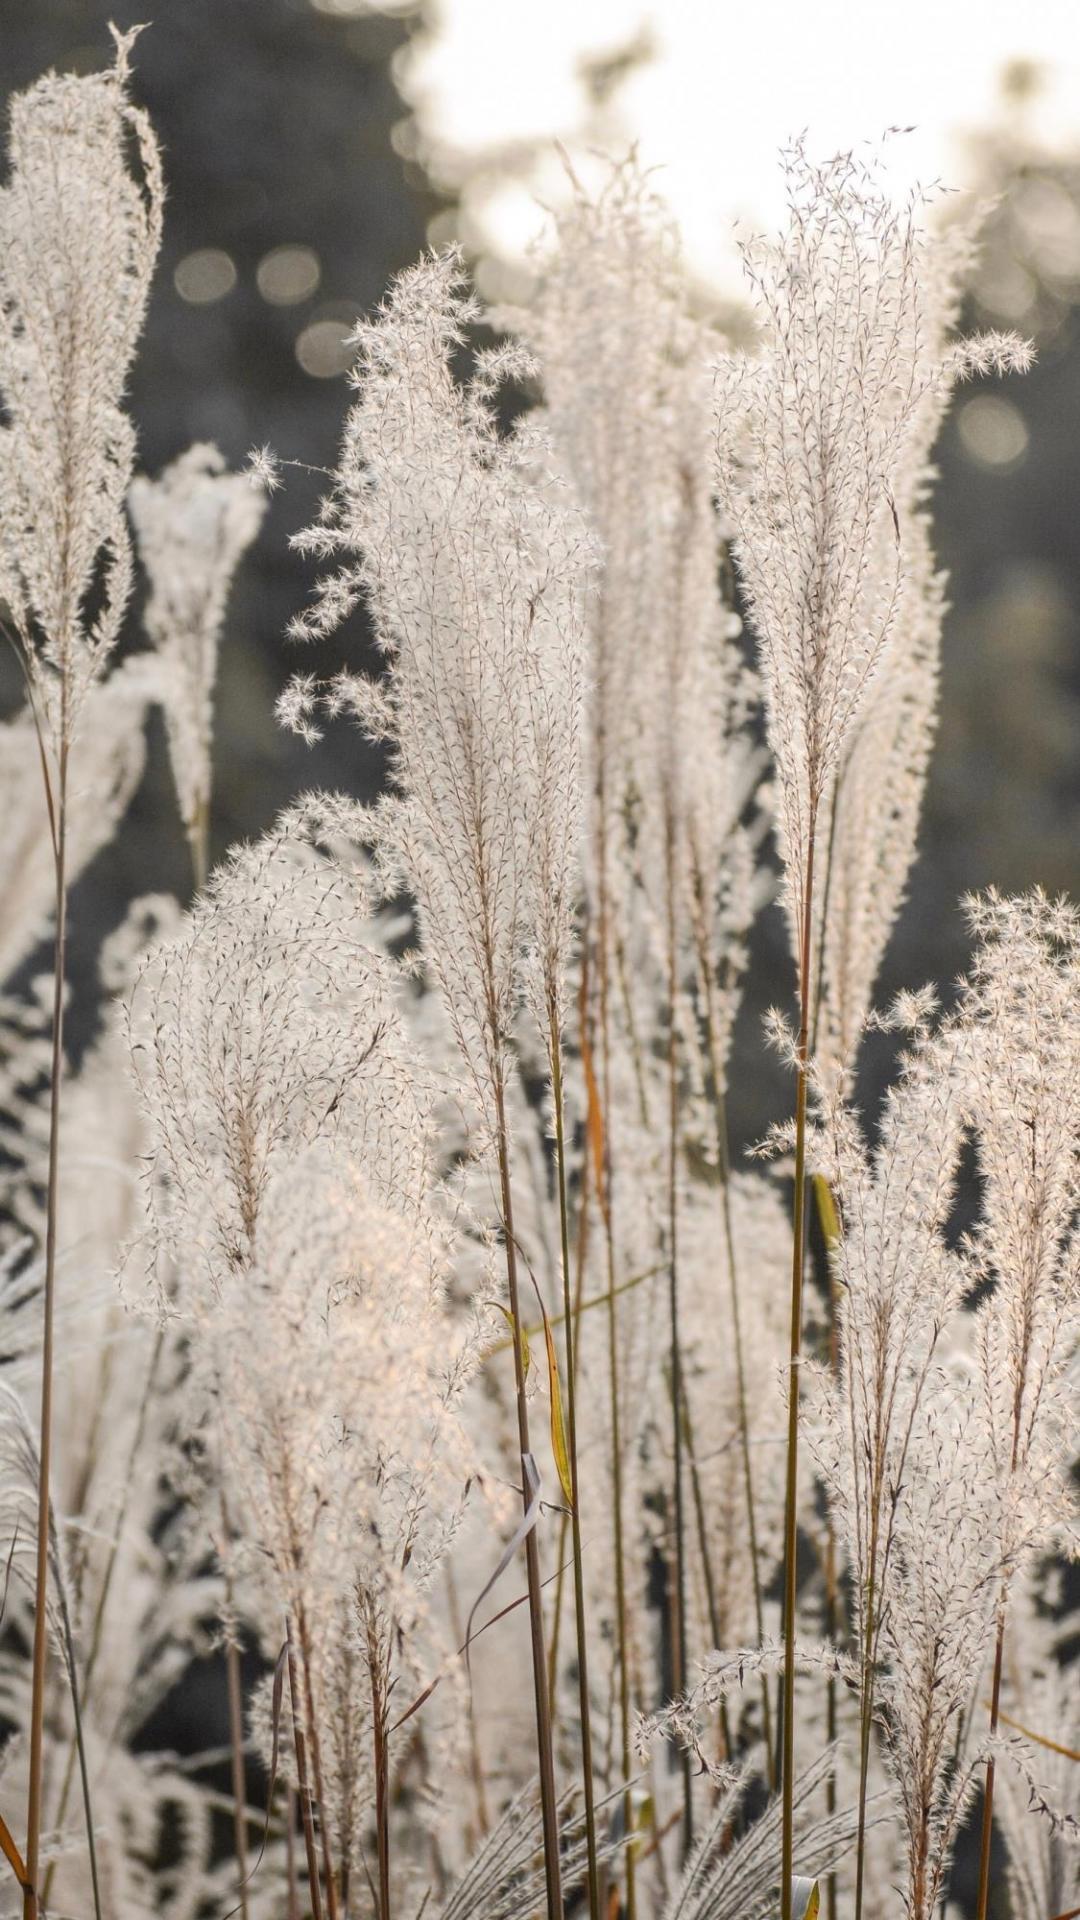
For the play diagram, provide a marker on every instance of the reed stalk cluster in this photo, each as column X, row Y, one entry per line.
column 390, row 1317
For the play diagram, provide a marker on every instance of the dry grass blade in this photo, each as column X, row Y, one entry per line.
column 503, row 1879
column 741, row 1881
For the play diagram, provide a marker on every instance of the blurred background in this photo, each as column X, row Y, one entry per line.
column 312, row 147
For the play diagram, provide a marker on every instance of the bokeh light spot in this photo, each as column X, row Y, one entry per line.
column 203, row 276
column 322, row 349
column 287, row 275
column 992, row 430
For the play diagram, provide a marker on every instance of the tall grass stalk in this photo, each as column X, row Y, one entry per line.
column 606, row 1210
column 986, row 1835
column 57, row 802
column 832, row 1610
column 235, row 1690
column 701, row 1526
column 679, row 1623
column 723, row 1165
column 548, row 1799
column 380, row 1737
column 791, row 1490
column 292, row 1890
column 315, row 1750
column 199, row 843
column 570, row 1330
column 98, row 1625
column 303, row 1785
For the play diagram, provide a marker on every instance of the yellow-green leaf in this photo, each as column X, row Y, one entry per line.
column 827, row 1213
column 559, row 1445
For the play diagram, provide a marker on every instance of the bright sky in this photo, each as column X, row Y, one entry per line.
column 729, row 84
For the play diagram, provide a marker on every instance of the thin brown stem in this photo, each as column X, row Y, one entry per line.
column 381, row 1755
column 987, row 1835
column 476, row 1759
column 832, row 1611
column 97, row 1628
column 292, row 1891
column 787, row 1771
column 608, row 1218
column 303, row 1784
column 41, row 1591
column 986, row 1840
column 679, row 1635
column 548, row 1802
column 723, row 1163
column 744, row 1428
column 570, row 1330
column 236, row 1720
column 315, row 1746
column 719, row 1638
column 866, row 1705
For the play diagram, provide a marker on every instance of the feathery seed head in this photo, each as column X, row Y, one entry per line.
column 78, row 238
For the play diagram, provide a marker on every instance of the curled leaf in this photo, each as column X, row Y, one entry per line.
column 805, row 1894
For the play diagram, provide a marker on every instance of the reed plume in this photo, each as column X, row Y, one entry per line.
column 79, row 235
column 812, row 438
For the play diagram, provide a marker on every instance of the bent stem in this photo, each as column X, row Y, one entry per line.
column 787, row 1771
column 571, row 1338
column 58, row 823
column 548, row 1805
